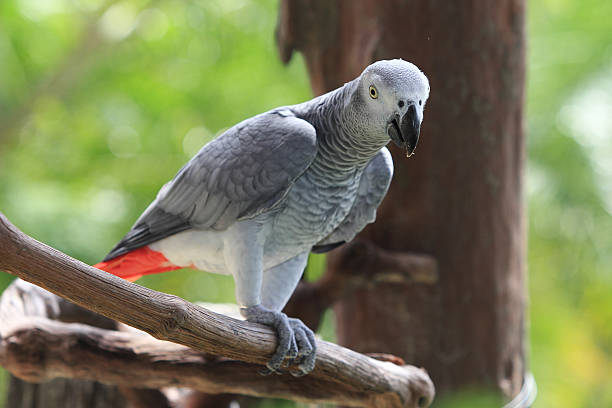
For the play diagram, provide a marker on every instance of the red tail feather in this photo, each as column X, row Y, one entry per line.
column 136, row 263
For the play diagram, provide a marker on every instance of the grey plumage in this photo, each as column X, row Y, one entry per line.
column 242, row 173
column 373, row 186
column 255, row 201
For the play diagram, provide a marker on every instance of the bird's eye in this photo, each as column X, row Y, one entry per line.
column 400, row 104
column 420, row 102
column 373, row 92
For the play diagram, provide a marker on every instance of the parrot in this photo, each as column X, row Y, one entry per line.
column 258, row 199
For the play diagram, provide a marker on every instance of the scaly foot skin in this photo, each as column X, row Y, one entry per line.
column 296, row 341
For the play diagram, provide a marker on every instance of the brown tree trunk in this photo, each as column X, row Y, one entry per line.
column 63, row 393
column 459, row 199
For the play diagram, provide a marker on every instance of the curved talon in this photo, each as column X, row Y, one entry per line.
column 308, row 362
column 265, row 371
column 298, row 373
column 302, row 341
column 293, row 352
column 307, row 346
column 296, row 342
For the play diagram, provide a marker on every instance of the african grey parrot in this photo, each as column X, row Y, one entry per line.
column 255, row 201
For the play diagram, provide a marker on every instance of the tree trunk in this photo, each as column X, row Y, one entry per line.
column 62, row 393
column 459, row 199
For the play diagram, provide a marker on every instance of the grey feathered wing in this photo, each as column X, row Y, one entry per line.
column 373, row 187
column 242, row 173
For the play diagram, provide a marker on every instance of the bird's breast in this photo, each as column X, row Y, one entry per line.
column 311, row 210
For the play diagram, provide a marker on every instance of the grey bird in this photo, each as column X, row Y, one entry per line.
column 255, row 201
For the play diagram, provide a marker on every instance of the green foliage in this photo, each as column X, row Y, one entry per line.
column 3, row 386
column 469, row 399
column 98, row 112
column 315, row 267
column 570, row 202
column 101, row 102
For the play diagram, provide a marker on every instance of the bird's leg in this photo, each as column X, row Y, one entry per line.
column 243, row 254
column 287, row 346
column 279, row 283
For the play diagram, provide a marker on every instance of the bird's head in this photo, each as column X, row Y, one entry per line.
column 393, row 95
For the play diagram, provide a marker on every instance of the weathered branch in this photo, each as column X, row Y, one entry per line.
column 37, row 350
column 341, row 375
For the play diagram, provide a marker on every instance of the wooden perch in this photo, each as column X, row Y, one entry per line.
column 40, row 349
column 341, row 376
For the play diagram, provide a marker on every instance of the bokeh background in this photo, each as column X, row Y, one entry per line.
column 101, row 102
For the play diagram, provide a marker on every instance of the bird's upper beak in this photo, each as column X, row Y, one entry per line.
column 404, row 131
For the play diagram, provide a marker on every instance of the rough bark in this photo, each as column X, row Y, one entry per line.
column 340, row 376
column 459, row 199
column 62, row 393
column 23, row 300
column 130, row 358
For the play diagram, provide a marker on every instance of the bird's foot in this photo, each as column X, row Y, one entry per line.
column 296, row 342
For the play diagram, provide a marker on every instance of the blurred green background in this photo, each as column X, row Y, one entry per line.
column 101, row 102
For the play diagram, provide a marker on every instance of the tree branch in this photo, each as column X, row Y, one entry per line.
column 37, row 350
column 341, row 375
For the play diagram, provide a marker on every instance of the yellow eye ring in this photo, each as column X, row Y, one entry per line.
column 373, row 92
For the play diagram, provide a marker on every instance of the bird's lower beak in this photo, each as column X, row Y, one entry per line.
column 405, row 131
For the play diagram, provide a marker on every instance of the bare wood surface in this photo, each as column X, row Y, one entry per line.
column 40, row 349
column 341, row 375
column 23, row 300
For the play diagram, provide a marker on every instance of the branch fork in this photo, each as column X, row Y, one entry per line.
column 341, row 376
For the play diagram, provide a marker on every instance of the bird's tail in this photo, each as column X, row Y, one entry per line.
column 136, row 263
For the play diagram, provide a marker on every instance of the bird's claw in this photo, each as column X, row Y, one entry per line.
column 296, row 342
column 267, row 371
column 306, row 343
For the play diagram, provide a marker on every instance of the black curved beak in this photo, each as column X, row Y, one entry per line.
column 405, row 131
